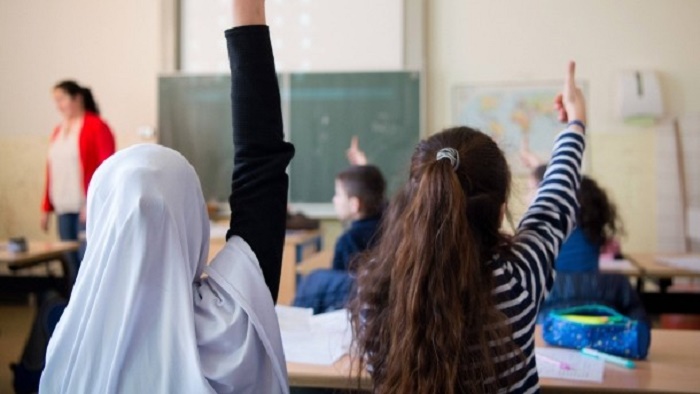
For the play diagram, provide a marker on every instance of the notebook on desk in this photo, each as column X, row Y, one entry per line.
column 579, row 366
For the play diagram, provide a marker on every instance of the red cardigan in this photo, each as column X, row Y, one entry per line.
column 95, row 144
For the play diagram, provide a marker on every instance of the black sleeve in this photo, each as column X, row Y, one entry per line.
column 260, row 183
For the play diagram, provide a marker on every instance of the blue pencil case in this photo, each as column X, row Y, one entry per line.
column 598, row 327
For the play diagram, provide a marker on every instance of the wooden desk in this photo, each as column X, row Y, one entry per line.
column 623, row 267
column 298, row 245
column 37, row 253
column 649, row 263
column 320, row 260
column 663, row 275
column 17, row 275
column 673, row 366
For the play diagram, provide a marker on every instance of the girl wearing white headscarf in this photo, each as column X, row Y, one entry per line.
column 140, row 318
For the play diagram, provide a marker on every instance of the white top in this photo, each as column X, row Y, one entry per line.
column 65, row 171
column 140, row 319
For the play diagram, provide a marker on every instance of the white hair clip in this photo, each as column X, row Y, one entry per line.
column 449, row 153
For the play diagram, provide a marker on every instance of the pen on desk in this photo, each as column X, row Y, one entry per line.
column 608, row 357
column 561, row 365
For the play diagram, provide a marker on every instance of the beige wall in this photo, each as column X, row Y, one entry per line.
column 496, row 41
column 468, row 41
column 111, row 46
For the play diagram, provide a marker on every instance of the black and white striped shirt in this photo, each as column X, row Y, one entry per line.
column 523, row 281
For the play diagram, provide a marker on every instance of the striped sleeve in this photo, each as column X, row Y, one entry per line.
column 551, row 217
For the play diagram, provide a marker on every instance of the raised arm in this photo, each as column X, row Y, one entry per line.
column 356, row 156
column 260, row 183
column 550, row 219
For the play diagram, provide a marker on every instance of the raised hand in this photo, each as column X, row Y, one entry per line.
column 356, row 156
column 570, row 103
column 248, row 12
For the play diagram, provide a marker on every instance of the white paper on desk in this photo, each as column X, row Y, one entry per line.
column 306, row 348
column 686, row 263
column 584, row 368
column 294, row 319
column 320, row 339
column 331, row 322
column 611, row 264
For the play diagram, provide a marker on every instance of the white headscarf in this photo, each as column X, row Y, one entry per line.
column 139, row 319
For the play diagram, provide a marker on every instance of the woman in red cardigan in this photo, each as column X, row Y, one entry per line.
column 79, row 144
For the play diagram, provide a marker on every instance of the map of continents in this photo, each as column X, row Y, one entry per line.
column 516, row 117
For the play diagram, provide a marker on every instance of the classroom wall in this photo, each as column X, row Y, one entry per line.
column 306, row 35
column 467, row 41
column 498, row 41
column 112, row 46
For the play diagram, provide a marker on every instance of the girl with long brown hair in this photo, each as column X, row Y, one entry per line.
column 446, row 302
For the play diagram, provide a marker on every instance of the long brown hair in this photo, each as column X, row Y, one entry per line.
column 424, row 318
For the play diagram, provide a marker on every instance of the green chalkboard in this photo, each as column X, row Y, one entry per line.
column 326, row 110
column 321, row 113
column 194, row 118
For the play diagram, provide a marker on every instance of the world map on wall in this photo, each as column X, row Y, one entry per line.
column 515, row 116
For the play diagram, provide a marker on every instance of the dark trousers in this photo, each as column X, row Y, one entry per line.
column 70, row 228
